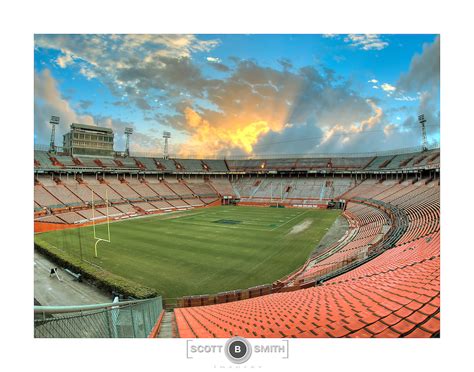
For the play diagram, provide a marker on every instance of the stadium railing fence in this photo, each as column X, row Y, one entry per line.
column 129, row 319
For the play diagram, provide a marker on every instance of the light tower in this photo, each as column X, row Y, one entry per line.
column 128, row 132
column 422, row 121
column 166, row 136
column 54, row 122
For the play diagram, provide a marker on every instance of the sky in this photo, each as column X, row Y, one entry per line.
column 241, row 95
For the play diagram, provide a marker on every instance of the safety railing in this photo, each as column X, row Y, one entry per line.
column 128, row 319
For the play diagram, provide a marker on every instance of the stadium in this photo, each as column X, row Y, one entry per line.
column 315, row 246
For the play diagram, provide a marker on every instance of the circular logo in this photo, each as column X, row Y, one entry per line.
column 238, row 350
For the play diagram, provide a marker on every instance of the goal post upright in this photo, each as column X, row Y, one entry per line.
column 97, row 240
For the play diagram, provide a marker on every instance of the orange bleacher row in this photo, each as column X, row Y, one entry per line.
column 395, row 294
column 69, row 200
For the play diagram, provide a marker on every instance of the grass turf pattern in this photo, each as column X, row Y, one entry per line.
column 188, row 253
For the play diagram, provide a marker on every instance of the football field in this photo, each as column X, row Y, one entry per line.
column 201, row 251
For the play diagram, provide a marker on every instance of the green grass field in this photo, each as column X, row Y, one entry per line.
column 202, row 251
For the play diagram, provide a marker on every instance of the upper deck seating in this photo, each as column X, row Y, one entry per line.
column 65, row 160
column 191, row 165
column 215, row 165
column 280, row 164
column 107, row 162
column 379, row 162
column 128, row 162
column 148, row 163
column 243, row 165
column 350, row 163
column 87, row 162
column 167, row 164
column 309, row 164
column 42, row 158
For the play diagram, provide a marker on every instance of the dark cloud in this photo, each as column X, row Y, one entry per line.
column 84, row 104
column 424, row 72
column 423, row 77
column 285, row 63
column 299, row 139
column 219, row 66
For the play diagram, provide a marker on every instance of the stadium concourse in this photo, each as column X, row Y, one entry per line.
column 381, row 279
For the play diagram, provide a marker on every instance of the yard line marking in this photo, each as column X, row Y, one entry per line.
column 301, row 214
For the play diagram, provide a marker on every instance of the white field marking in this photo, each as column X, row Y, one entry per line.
column 225, row 226
column 284, row 223
column 300, row 227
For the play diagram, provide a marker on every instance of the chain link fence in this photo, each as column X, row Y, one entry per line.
column 135, row 320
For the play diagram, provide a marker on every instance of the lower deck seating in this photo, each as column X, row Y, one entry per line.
column 45, row 199
column 304, row 188
column 400, row 301
column 200, row 188
column 126, row 208
column 178, row 203
column 64, row 195
column 179, row 188
column 49, row 219
column 209, row 200
column 147, row 207
column 222, row 186
column 394, row 294
column 162, row 205
column 194, row 202
column 71, row 217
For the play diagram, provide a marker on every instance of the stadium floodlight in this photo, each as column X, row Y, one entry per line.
column 166, row 136
column 422, row 121
column 128, row 132
column 54, row 122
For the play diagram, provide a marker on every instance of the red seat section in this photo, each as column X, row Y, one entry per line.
column 394, row 293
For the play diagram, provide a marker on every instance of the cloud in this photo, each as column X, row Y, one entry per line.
column 366, row 41
column 130, row 61
column 388, row 88
column 253, row 109
column 405, row 98
column 64, row 60
column 285, row 63
column 213, row 59
column 85, row 104
column 424, row 71
column 423, row 78
column 220, row 67
column 49, row 101
column 87, row 73
column 256, row 109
